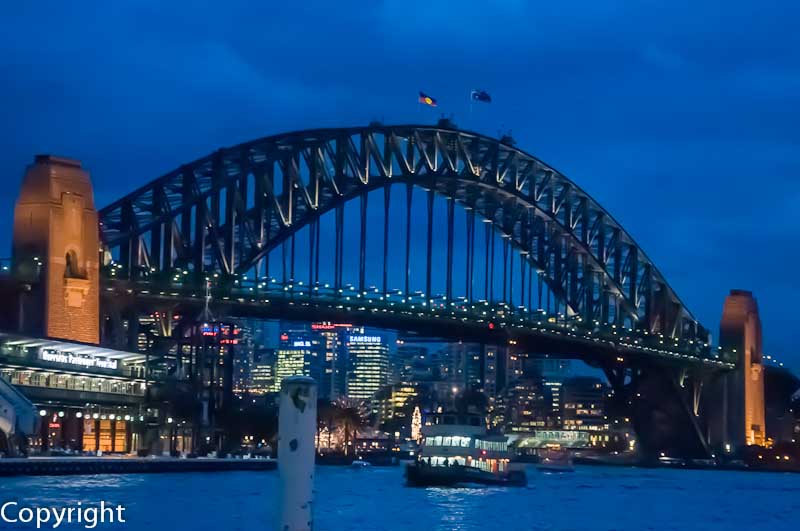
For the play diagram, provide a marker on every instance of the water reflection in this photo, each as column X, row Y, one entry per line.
column 376, row 499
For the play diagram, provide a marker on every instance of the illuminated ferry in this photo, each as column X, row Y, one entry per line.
column 457, row 450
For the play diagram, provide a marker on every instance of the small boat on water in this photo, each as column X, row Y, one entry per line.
column 554, row 458
column 456, row 450
column 359, row 463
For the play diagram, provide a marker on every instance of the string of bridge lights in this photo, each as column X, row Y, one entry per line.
column 418, row 304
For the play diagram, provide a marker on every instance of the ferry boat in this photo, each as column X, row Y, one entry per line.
column 554, row 458
column 456, row 450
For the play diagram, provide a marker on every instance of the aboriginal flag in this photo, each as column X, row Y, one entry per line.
column 426, row 100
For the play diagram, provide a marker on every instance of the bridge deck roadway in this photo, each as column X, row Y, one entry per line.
column 533, row 332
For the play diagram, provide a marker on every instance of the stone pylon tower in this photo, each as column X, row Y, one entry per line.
column 56, row 250
column 740, row 329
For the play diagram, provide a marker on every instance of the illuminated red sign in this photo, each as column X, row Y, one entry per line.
column 329, row 326
column 217, row 329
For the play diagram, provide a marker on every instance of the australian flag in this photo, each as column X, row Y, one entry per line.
column 480, row 95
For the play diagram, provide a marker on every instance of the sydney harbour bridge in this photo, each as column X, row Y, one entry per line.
column 550, row 260
column 430, row 230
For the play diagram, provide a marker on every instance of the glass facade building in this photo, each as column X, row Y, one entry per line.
column 333, row 375
column 301, row 351
column 369, row 365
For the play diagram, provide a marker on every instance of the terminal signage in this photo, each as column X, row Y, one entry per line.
column 67, row 358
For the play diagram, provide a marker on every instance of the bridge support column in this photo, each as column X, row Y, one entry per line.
column 56, row 249
column 736, row 399
column 660, row 411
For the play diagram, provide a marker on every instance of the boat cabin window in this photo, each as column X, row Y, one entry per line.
column 496, row 446
column 447, row 461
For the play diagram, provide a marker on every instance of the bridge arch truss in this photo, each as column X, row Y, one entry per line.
column 221, row 216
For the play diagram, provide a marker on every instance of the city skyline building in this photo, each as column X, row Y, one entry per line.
column 584, row 407
column 244, row 360
column 333, row 375
column 526, row 405
column 466, row 362
column 368, row 365
column 301, row 351
column 490, row 355
column 391, row 401
column 412, row 362
column 262, row 373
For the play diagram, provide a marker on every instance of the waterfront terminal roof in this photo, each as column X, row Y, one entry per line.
column 85, row 349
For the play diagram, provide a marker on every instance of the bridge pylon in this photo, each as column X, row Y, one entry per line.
column 738, row 417
column 56, row 251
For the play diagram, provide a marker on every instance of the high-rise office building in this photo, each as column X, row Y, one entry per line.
column 514, row 360
column 392, row 401
column 584, row 404
column 413, row 363
column 243, row 360
column 144, row 340
column 368, row 365
column 490, row 354
column 546, row 367
column 262, row 372
column 301, row 351
column 333, row 374
column 552, row 372
column 527, row 405
column 466, row 362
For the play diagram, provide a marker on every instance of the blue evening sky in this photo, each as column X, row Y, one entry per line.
column 680, row 117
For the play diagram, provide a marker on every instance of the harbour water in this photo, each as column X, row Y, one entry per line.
column 374, row 499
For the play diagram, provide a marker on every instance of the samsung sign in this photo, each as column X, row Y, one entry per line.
column 67, row 358
column 365, row 339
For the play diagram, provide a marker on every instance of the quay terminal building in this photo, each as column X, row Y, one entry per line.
column 59, row 389
column 87, row 398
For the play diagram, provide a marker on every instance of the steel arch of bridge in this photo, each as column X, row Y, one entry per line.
column 272, row 187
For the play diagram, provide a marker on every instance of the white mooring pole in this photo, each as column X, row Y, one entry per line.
column 297, row 426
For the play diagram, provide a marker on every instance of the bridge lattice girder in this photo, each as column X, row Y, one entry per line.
column 225, row 212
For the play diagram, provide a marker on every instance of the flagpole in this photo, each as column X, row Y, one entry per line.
column 470, row 107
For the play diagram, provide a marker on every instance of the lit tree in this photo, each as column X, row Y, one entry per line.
column 351, row 415
column 416, row 424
